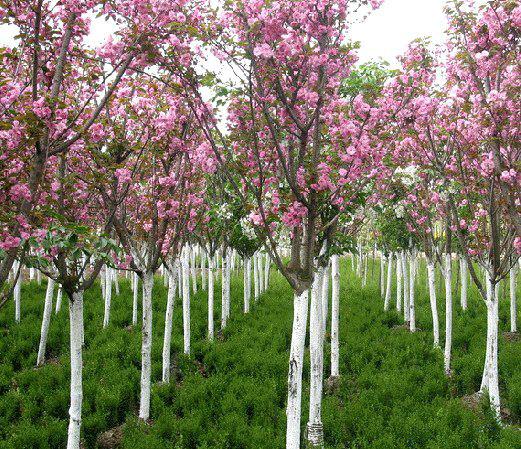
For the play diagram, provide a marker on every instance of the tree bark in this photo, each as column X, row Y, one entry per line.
column 168, row 322
column 405, row 278
column 246, row 273
column 315, row 431
column 47, row 310
column 210, row 298
column 76, row 341
column 135, row 286
column 108, row 296
column 296, row 361
column 398, row 283
column 146, row 346
column 186, row 300
column 464, row 282
column 389, row 282
column 432, row 298
column 412, row 276
column 335, row 311
column 59, row 296
column 513, row 299
column 490, row 380
column 448, row 312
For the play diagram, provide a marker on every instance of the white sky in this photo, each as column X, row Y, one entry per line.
column 387, row 31
column 384, row 34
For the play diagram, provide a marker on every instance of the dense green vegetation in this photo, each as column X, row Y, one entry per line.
column 231, row 394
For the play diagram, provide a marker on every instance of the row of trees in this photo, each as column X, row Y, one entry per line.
column 112, row 157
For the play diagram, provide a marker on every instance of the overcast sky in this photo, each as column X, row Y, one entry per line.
column 387, row 31
column 384, row 34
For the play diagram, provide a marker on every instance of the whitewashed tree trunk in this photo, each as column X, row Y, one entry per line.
column 59, row 297
column 193, row 269
column 108, row 296
column 116, row 280
column 398, row 283
column 490, row 380
column 172, row 284
column 267, row 272
column 17, row 293
column 224, row 288
column 335, row 312
column 39, row 277
column 146, row 346
column 412, row 276
column 315, row 431
column 256, row 277
column 76, row 342
column 186, row 300
column 448, row 312
column 464, row 282
column 259, row 273
column 366, row 261
column 135, row 284
column 325, row 295
column 432, row 298
column 513, row 299
column 210, row 297
column 389, row 282
column 31, row 274
column 47, row 310
column 203, row 271
column 405, row 278
column 246, row 285
column 296, row 362
column 229, row 269
column 103, row 281
column 382, row 275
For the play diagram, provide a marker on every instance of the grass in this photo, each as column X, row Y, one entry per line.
column 231, row 393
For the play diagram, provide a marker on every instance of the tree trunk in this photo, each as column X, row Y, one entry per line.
column 448, row 312
column 259, row 273
column 193, row 270
column 256, row 277
column 108, row 296
column 432, row 298
column 267, row 272
column 47, row 310
column 146, row 346
column 135, row 298
column 398, row 283
column 210, row 297
column 382, row 275
column 203, row 270
column 224, row 288
column 405, row 278
column 490, row 380
column 116, row 280
column 412, row 276
column 335, row 311
column 18, row 291
column 296, row 361
column 315, row 431
column 246, row 286
column 464, row 282
column 186, row 300
column 325, row 295
column 59, row 296
column 389, row 282
column 168, row 322
column 76, row 341
column 513, row 300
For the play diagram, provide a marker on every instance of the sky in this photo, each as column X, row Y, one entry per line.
column 388, row 30
column 384, row 34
